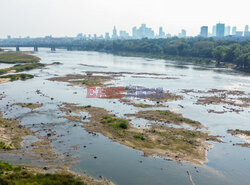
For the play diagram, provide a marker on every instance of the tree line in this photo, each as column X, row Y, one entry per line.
column 209, row 49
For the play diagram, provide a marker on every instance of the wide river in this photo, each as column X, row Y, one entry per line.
column 227, row 163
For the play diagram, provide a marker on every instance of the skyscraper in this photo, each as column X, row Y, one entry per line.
column 220, row 30
column 246, row 28
column 204, row 31
column 227, row 30
column 247, row 32
column 182, row 34
column 114, row 36
column 214, row 31
column 161, row 33
column 107, row 37
column 234, row 30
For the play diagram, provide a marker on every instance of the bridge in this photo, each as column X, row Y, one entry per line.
column 53, row 47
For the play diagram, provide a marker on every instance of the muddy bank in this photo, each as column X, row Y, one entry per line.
column 167, row 117
column 243, row 134
column 140, row 105
column 170, row 143
column 83, row 80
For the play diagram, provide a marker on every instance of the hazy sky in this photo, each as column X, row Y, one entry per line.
column 69, row 17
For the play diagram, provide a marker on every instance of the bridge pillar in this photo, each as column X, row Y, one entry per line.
column 17, row 48
column 35, row 48
column 53, row 48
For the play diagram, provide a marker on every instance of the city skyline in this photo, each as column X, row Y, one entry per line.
column 61, row 18
column 143, row 31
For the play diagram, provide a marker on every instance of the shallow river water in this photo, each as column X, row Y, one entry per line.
column 227, row 163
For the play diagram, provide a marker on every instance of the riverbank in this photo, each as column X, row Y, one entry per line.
column 171, row 143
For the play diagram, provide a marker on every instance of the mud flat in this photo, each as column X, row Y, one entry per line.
column 31, row 106
column 10, row 174
column 171, row 143
column 12, row 57
column 167, row 117
column 11, row 133
column 141, row 105
column 243, row 134
column 83, row 80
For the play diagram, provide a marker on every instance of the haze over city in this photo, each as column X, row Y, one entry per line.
column 61, row 18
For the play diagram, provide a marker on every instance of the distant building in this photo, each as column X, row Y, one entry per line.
column 246, row 28
column 234, row 29
column 8, row 37
column 124, row 35
column 161, row 33
column 220, row 30
column 214, row 31
column 204, row 31
column 114, row 36
column 239, row 33
column 142, row 32
column 107, row 37
column 246, row 32
column 227, row 31
column 182, row 34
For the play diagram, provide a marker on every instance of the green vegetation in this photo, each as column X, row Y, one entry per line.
column 198, row 50
column 20, row 68
column 91, row 83
column 139, row 136
column 10, row 175
column 114, row 122
column 3, row 146
column 165, row 116
column 177, row 143
column 15, row 77
column 12, row 57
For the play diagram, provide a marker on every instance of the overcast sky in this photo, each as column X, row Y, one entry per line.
column 70, row 17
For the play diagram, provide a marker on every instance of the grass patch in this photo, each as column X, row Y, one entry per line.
column 165, row 116
column 16, row 175
column 139, row 136
column 114, row 122
column 15, row 77
column 12, row 57
column 4, row 146
column 91, row 83
column 20, row 68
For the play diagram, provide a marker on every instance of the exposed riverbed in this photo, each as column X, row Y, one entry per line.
column 96, row 155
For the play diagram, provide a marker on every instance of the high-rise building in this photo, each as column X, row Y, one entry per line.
column 239, row 33
column 246, row 32
column 107, row 37
column 182, row 34
column 142, row 32
column 227, row 30
column 204, row 31
column 8, row 37
column 220, row 30
column 114, row 36
column 214, row 31
column 161, row 33
column 246, row 28
column 234, row 29
column 124, row 35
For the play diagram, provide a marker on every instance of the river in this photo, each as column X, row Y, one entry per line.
column 227, row 163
